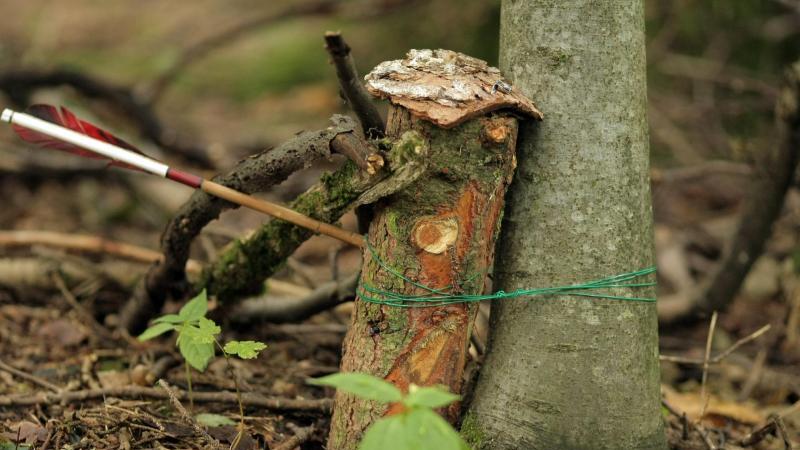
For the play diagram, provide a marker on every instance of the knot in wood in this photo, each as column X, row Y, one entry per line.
column 446, row 87
column 496, row 132
column 375, row 163
column 435, row 235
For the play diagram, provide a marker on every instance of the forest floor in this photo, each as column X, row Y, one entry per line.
column 67, row 382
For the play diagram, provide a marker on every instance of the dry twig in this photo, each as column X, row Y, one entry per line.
column 188, row 417
column 703, row 394
column 301, row 435
column 280, row 310
column 357, row 97
column 716, row 359
column 248, row 399
column 694, row 425
column 86, row 243
column 29, row 377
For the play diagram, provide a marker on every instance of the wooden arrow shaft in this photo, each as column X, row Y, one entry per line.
column 281, row 212
column 152, row 166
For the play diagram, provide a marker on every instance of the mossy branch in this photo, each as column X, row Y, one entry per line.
column 254, row 174
column 243, row 267
column 241, row 270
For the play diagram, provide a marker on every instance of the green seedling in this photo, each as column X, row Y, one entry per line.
column 416, row 427
column 197, row 339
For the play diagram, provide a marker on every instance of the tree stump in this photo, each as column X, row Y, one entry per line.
column 439, row 232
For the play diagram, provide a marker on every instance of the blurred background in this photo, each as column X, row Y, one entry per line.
column 203, row 85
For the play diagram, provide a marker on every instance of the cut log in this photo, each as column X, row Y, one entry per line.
column 439, row 232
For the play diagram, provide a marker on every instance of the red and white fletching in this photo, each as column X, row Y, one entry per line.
column 59, row 129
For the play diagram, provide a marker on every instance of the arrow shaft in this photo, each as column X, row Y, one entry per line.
column 282, row 212
column 157, row 168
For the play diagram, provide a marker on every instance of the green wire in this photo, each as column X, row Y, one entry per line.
column 439, row 297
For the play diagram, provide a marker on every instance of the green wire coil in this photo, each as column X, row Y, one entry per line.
column 439, row 297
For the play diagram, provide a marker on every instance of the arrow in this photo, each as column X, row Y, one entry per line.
column 49, row 127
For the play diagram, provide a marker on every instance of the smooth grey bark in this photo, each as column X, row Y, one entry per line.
column 566, row 372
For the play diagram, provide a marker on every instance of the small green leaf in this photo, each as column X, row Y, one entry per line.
column 426, row 429
column 156, row 330
column 362, row 385
column 388, row 433
column 208, row 327
column 195, row 309
column 204, row 332
column 429, row 397
column 168, row 318
column 213, row 420
column 196, row 353
column 244, row 349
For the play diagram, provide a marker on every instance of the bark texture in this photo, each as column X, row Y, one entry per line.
column 440, row 231
column 571, row 373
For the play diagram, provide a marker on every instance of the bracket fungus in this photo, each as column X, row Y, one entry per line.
column 446, row 87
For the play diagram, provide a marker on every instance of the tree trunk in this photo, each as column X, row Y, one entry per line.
column 439, row 232
column 571, row 372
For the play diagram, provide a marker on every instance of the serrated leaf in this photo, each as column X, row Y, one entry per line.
column 168, row 318
column 204, row 332
column 362, row 385
column 208, row 327
column 388, row 433
column 213, row 420
column 429, row 397
column 196, row 353
column 156, row 330
column 195, row 309
column 244, row 349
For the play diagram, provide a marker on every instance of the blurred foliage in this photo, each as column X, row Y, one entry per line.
column 717, row 100
column 712, row 63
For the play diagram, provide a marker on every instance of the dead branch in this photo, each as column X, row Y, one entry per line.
column 134, row 392
column 280, row 310
column 774, row 426
column 240, row 271
column 254, row 174
column 28, row 377
column 85, row 243
column 37, row 273
column 773, row 174
column 18, row 86
column 352, row 88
